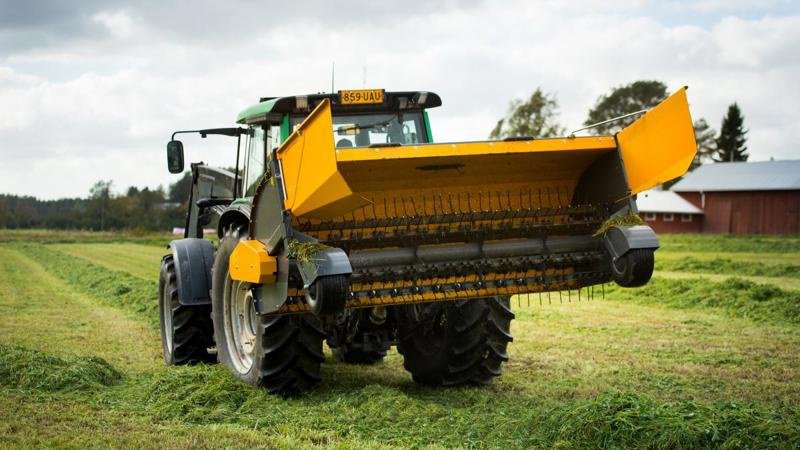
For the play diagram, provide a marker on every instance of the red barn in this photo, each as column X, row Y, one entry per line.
column 746, row 197
column 668, row 212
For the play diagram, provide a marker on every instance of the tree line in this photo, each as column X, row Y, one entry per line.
column 138, row 209
column 536, row 117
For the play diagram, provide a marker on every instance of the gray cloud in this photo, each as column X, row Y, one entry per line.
column 92, row 91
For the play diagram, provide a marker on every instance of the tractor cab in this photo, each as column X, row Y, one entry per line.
column 361, row 118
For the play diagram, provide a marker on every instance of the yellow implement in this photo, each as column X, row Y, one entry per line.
column 357, row 229
column 323, row 182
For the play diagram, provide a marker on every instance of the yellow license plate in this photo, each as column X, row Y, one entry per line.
column 361, row 96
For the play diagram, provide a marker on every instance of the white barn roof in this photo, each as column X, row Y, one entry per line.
column 742, row 176
column 654, row 201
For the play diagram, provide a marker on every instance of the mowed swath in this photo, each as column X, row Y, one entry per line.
column 40, row 311
column 781, row 282
column 754, row 257
column 623, row 336
column 570, row 356
column 139, row 260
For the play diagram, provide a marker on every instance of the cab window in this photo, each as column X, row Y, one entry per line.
column 254, row 165
column 364, row 130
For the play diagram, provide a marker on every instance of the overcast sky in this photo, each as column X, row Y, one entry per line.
column 91, row 90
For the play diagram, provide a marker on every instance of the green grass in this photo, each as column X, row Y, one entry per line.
column 140, row 260
column 112, row 287
column 789, row 284
column 72, row 236
column 677, row 364
column 729, row 243
column 29, row 369
column 41, row 311
column 753, row 257
column 728, row 266
column 735, row 296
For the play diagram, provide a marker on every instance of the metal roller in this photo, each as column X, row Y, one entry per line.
column 470, row 251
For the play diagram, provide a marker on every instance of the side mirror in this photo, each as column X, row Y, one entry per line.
column 175, row 156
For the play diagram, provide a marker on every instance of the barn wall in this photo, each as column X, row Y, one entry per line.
column 676, row 226
column 749, row 212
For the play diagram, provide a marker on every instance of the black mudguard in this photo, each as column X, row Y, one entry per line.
column 193, row 261
column 619, row 240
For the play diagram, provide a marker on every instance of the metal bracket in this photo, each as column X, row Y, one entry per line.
column 619, row 240
column 330, row 261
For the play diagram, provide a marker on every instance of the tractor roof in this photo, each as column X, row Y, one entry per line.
column 272, row 109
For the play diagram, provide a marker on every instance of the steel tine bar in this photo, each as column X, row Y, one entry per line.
column 541, row 201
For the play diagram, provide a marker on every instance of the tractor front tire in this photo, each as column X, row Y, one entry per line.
column 281, row 354
column 186, row 331
column 456, row 343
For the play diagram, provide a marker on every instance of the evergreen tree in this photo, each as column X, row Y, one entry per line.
column 731, row 141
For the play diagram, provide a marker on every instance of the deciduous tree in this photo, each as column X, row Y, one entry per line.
column 535, row 118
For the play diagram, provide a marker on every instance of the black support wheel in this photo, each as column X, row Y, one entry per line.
column 282, row 354
column 327, row 295
column 456, row 343
column 633, row 269
column 186, row 331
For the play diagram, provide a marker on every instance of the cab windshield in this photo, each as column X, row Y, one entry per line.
column 368, row 129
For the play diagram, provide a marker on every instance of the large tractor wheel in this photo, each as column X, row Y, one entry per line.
column 279, row 353
column 186, row 331
column 456, row 343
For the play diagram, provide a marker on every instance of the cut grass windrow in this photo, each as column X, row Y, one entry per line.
column 729, row 243
column 140, row 260
column 72, row 236
column 114, row 288
column 29, row 369
column 735, row 297
column 728, row 266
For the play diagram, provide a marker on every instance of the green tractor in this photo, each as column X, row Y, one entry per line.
column 344, row 222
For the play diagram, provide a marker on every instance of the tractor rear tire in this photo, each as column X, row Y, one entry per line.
column 281, row 354
column 186, row 331
column 456, row 343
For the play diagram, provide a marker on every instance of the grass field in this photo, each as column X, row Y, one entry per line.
column 707, row 356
